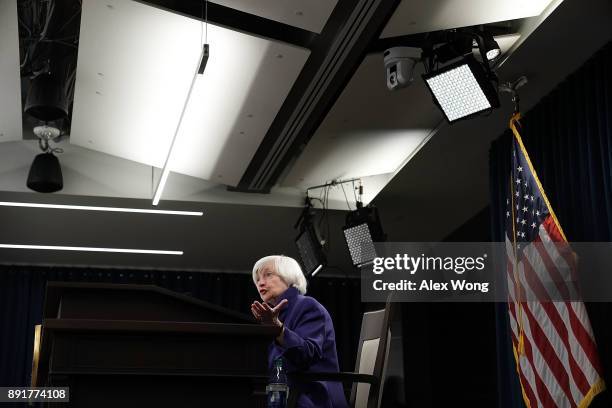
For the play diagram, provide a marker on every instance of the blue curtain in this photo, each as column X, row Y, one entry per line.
column 568, row 135
column 22, row 292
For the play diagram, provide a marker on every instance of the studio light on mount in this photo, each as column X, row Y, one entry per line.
column 310, row 250
column 308, row 243
column 491, row 48
column 462, row 89
column 362, row 229
column 45, row 174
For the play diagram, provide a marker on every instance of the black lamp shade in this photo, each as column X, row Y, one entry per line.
column 46, row 99
column 45, row 174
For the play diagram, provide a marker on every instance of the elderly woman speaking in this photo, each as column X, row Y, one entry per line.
column 307, row 341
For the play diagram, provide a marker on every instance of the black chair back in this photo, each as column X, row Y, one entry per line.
column 372, row 356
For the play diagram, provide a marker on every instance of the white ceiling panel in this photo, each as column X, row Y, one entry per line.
column 506, row 42
column 10, row 81
column 134, row 70
column 310, row 15
column 422, row 16
column 356, row 140
column 353, row 154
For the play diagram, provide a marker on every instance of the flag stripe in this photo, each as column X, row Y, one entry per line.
column 580, row 339
column 545, row 360
column 571, row 348
column 579, row 323
column 538, row 367
column 558, row 337
column 528, row 379
column 549, row 251
column 525, row 371
column 560, row 262
column 545, row 345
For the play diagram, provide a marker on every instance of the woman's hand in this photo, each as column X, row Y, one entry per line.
column 266, row 314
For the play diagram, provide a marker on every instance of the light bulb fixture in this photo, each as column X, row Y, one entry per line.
column 45, row 175
column 491, row 48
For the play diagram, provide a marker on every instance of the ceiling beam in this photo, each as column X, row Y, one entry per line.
column 338, row 52
column 237, row 20
column 423, row 40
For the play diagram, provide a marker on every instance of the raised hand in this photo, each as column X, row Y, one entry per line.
column 266, row 314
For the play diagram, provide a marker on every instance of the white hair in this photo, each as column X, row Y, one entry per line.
column 286, row 267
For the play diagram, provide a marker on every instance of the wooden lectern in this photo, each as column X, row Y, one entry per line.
column 141, row 345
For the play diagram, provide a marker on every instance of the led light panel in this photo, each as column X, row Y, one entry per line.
column 360, row 244
column 461, row 90
column 310, row 252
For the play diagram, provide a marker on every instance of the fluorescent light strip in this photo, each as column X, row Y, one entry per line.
column 91, row 249
column 162, row 180
column 316, row 271
column 93, row 208
column 166, row 170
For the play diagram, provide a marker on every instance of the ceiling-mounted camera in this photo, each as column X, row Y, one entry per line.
column 399, row 66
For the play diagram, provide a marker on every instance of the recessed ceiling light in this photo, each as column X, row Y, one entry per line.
column 97, row 208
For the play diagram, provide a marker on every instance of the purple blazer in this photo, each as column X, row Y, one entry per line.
column 309, row 345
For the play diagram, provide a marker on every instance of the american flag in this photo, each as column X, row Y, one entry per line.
column 554, row 348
